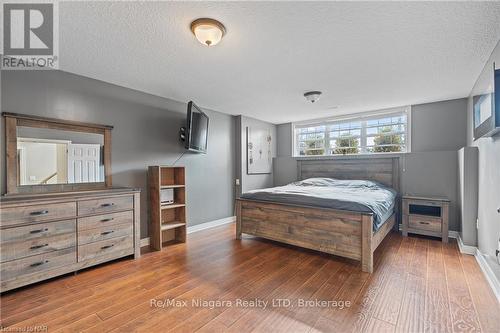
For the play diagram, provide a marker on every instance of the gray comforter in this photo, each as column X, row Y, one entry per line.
column 352, row 195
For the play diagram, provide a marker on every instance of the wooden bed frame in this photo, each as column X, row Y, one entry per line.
column 339, row 232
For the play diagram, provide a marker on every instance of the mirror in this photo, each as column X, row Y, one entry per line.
column 54, row 155
column 48, row 156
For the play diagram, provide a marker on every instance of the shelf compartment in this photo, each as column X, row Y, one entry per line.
column 172, row 176
column 168, row 220
column 424, row 210
column 172, row 225
column 172, row 206
column 164, row 187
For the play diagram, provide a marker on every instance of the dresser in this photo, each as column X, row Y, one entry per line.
column 50, row 234
column 426, row 216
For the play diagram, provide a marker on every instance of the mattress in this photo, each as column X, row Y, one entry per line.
column 361, row 196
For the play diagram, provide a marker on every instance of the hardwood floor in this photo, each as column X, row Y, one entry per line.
column 418, row 285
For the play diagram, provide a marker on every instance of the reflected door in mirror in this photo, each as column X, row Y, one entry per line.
column 52, row 156
column 84, row 161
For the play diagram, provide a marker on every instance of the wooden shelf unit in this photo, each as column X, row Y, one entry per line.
column 167, row 220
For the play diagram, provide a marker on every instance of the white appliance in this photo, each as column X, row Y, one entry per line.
column 167, row 196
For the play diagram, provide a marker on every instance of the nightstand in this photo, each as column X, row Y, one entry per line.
column 426, row 216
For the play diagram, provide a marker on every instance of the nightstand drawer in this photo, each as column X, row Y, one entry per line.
column 425, row 223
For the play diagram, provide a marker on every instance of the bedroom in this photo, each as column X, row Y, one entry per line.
column 337, row 171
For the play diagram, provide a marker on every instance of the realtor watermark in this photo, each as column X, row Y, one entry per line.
column 249, row 303
column 37, row 328
column 30, row 35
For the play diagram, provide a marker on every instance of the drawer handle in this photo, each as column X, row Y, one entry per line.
column 421, row 222
column 34, row 247
column 40, row 212
column 107, row 232
column 39, row 263
column 37, row 231
column 107, row 246
column 107, row 204
column 107, row 220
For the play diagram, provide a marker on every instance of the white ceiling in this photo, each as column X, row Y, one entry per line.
column 363, row 56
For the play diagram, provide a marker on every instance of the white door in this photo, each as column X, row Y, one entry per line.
column 84, row 161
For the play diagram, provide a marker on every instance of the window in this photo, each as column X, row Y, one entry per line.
column 368, row 133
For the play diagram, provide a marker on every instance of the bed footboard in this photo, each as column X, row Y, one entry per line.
column 342, row 233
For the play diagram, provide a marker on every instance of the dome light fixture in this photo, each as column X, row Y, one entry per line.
column 208, row 31
column 312, row 96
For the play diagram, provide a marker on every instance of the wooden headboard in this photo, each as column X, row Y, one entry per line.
column 384, row 170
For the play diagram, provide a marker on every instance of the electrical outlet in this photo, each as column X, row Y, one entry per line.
column 237, row 182
column 477, row 223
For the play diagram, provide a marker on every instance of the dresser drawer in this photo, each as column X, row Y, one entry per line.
column 104, row 232
column 105, row 205
column 425, row 223
column 98, row 221
column 36, row 231
column 36, row 213
column 42, row 262
column 22, row 249
column 105, row 247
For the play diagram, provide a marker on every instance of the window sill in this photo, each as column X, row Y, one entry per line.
column 350, row 156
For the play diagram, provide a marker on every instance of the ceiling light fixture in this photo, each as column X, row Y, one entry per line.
column 208, row 31
column 312, row 96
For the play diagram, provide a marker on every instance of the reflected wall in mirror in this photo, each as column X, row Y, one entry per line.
column 52, row 156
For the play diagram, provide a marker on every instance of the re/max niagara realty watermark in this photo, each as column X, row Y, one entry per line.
column 249, row 303
column 30, row 35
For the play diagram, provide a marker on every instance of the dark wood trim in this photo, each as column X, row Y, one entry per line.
column 55, row 120
column 11, row 154
column 13, row 120
column 107, row 157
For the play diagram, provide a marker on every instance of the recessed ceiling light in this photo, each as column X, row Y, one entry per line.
column 312, row 96
column 208, row 31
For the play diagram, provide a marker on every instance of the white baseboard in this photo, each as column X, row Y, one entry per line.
column 466, row 249
column 489, row 274
column 199, row 227
column 211, row 224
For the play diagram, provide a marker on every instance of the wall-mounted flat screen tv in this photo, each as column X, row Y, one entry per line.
column 486, row 105
column 197, row 129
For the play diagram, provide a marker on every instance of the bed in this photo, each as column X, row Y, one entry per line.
column 344, row 207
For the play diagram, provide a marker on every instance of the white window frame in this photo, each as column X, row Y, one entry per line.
column 361, row 117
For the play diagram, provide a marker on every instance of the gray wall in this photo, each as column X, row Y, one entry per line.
column 438, row 131
column 145, row 133
column 251, row 182
column 488, row 233
column 467, row 186
column 439, row 126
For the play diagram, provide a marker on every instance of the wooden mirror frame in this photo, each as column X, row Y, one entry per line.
column 13, row 120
